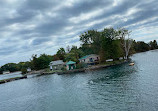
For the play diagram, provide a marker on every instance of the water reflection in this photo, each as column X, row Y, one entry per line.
column 113, row 73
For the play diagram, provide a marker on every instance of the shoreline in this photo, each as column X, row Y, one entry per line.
column 10, row 72
column 95, row 67
column 12, row 79
column 42, row 72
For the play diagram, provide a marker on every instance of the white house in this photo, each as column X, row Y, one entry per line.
column 90, row 59
column 56, row 65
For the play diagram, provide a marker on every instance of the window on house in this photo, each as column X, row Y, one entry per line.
column 91, row 59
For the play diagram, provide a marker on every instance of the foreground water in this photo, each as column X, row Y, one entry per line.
column 118, row 88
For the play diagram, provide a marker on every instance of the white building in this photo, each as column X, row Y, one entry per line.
column 56, row 65
column 90, row 59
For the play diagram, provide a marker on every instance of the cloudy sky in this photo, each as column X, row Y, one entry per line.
column 42, row 26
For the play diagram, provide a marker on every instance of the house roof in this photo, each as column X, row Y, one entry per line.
column 84, row 57
column 70, row 62
column 58, row 62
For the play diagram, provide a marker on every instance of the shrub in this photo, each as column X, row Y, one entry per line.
column 23, row 70
column 63, row 68
column 81, row 65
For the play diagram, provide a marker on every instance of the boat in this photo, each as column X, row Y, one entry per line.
column 131, row 64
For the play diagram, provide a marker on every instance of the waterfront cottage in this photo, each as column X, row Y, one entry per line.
column 90, row 59
column 71, row 65
column 56, row 65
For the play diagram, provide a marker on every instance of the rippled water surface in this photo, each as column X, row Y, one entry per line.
column 118, row 88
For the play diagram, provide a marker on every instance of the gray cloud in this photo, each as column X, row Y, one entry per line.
column 42, row 26
column 39, row 41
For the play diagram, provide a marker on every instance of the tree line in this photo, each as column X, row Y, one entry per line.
column 109, row 43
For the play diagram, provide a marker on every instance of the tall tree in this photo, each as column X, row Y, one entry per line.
column 141, row 46
column 91, row 41
column 126, row 41
column 74, row 54
column 153, row 45
column 41, row 62
column 108, row 36
column 106, row 43
column 61, row 53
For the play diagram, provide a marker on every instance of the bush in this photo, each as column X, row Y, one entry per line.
column 63, row 68
column 81, row 65
column 23, row 70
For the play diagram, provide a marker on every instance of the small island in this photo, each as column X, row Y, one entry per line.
column 98, row 49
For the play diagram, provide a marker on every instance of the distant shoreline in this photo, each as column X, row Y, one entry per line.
column 11, row 72
column 43, row 72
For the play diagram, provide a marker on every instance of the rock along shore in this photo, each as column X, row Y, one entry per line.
column 12, row 79
column 42, row 72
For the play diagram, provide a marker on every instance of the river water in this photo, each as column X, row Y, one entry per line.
column 117, row 88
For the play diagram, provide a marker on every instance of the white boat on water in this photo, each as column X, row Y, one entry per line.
column 131, row 64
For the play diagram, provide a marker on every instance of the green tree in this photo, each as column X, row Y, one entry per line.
column 125, row 41
column 61, row 54
column 12, row 67
column 23, row 70
column 41, row 62
column 108, row 36
column 116, row 49
column 91, row 41
column 74, row 54
column 105, row 43
column 153, row 45
column 141, row 46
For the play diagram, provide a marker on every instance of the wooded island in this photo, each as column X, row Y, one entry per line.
column 109, row 43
